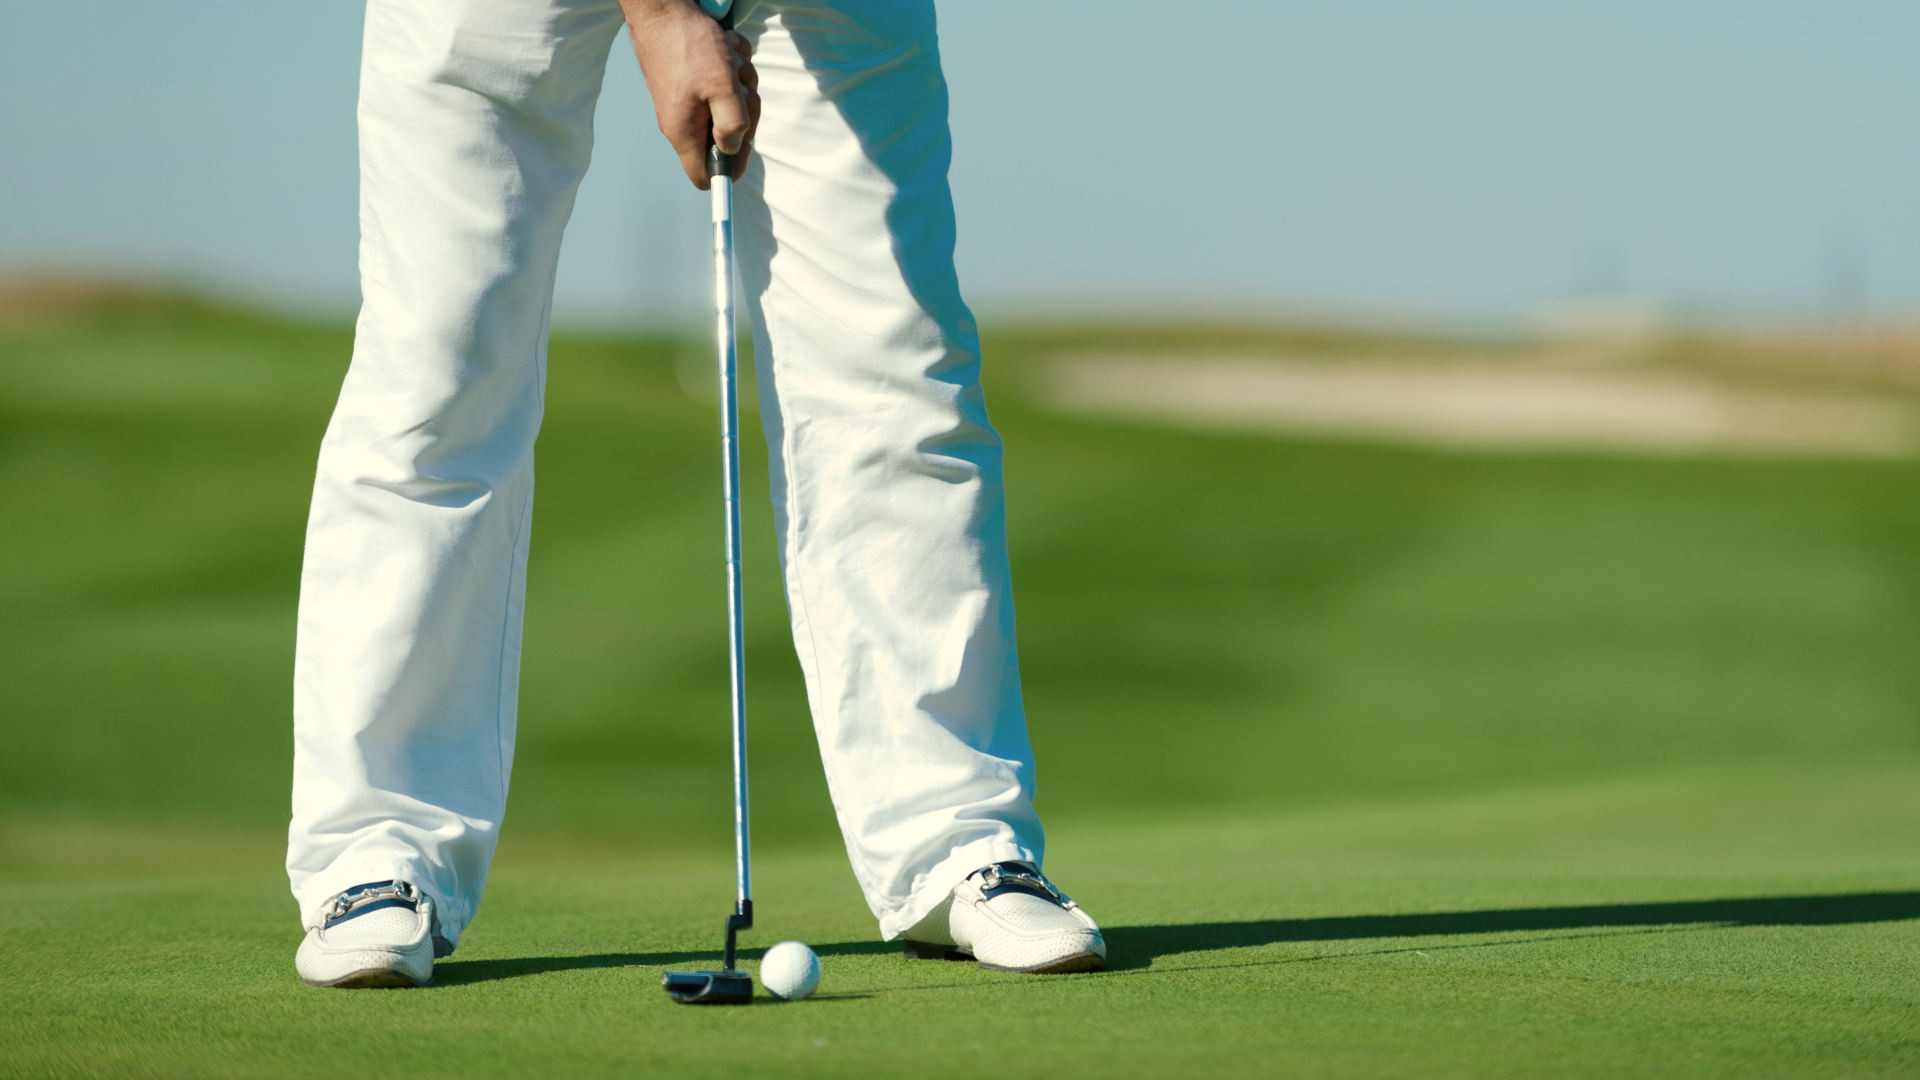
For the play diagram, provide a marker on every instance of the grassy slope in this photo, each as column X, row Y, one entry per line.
column 1288, row 698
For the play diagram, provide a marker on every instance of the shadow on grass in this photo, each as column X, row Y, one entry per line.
column 1137, row 946
column 1132, row 947
column 456, row 972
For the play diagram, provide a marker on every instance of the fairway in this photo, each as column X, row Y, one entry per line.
column 1371, row 761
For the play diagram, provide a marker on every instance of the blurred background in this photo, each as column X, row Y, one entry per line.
column 1404, row 401
column 1476, row 160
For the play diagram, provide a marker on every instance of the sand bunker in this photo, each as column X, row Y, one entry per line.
column 1489, row 406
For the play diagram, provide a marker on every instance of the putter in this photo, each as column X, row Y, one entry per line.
column 730, row 985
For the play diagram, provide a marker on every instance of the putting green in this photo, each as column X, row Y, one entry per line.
column 1701, row 923
column 1373, row 762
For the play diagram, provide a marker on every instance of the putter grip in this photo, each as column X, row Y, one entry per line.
column 719, row 164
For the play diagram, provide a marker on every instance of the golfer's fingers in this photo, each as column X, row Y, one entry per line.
column 753, row 128
column 732, row 118
column 693, row 159
column 688, row 125
column 748, row 89
column 728, row 118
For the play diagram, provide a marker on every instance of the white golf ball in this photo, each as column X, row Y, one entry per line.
column 790, row 971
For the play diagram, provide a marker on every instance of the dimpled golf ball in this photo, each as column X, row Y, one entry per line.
column 790, row 971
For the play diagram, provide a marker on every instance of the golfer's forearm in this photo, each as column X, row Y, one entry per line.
column 641, row 10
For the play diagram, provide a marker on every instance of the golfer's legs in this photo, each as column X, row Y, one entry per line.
column 475, row 128
column 886, row 474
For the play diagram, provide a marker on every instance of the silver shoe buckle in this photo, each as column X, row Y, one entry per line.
column 345, row 904
column 993, row 877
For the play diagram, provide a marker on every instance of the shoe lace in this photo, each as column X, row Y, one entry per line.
column 362, row 895
column 1020, row 877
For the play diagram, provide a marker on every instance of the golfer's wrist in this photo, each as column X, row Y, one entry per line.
column 645, row 12
column 655, row 8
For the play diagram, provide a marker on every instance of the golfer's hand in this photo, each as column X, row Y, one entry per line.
column 701, row 78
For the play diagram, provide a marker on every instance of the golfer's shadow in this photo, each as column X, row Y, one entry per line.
column 1138, row 946
column 1132, row 947
column 456, row 972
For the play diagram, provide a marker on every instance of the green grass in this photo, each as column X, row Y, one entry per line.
column 1373, row 762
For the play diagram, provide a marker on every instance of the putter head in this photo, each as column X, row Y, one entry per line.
column 709, row 987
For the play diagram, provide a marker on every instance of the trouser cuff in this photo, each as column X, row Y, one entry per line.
column 935, row 885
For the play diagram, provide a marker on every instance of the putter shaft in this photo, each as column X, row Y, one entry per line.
column 729, row 986
column 720, row 167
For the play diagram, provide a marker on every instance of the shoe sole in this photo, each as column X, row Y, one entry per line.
column 1066, row 965
column 921, row 950
column 372, row 979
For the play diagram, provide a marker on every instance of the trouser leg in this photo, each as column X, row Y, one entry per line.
column 886, row 473
column 475, row 128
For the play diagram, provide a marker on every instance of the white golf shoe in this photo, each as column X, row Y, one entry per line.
column 375, row 935
column 1009, row 917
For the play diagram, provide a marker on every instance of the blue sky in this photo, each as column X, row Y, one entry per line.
column 1472, row 159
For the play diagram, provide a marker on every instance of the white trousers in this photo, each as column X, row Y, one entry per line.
column 476, row 125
